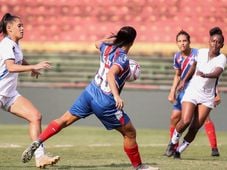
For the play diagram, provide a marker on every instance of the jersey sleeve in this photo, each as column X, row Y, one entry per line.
column 222, row 61
column 122, row 61
column 176, row 64
column 7, row 51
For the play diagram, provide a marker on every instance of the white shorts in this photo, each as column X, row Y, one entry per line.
column 196, row 97
column 6, row 102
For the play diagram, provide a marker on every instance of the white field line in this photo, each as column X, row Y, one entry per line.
column 10, row 145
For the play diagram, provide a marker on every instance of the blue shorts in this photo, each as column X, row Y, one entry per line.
column 177, row 105
column 93, row 101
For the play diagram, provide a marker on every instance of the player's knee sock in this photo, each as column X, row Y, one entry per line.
column 183, row 146
column 171, row 130
column 50, row 130
column 211, row 134
column 40, row 151
column 133, row 155
column 176, row 136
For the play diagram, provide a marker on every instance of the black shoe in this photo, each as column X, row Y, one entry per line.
column 170, row 150
column 176, row 155
column 215, row 152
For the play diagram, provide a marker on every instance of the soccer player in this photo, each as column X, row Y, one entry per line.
column 12, row 63
column 102, row 98
column 199, row 96
column 182, row 63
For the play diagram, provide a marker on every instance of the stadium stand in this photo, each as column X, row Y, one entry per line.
column 76, row 70
column 63, row 30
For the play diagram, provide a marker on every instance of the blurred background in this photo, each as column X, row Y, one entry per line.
column 64, row 33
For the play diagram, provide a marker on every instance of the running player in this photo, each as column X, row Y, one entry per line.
column 102, row 98
column 199, row 96
column 182, row 63
column 12, row 63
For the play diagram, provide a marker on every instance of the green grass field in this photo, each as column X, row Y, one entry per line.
column 91, row 148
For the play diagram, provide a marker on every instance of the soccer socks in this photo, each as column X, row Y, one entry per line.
column 50, row 130
column 171, row 130
column 40, row 151
column 183, row 146
column 175, row 138
column 133, row 155
column 211, row 134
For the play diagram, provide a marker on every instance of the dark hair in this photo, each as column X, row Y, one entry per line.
column 125, row 36
column 182, row 32
column 7, row 18
column 216, row 30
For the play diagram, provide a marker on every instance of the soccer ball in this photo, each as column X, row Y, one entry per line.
column 134, row 70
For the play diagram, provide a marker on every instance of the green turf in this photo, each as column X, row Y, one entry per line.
column 90, row 148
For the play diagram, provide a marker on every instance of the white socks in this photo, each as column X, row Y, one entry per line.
column 176, row 136
column 40, row 151
column 183, row 146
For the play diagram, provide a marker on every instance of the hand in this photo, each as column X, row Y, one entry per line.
column 217, row 100
column 201, row 74
column 181, row 85
column 35, row 74
column 171, row 97
column 119, row 102
column 42, row 65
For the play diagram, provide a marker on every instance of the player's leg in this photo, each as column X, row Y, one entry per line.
column 131, row 147
column 23, row 108
column 211, row 134
column 80, row 108
column 52, row 128
column 198, row 120
column 174, row 119
column 188, row 109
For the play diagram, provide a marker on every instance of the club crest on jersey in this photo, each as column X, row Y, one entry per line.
column 123, row 58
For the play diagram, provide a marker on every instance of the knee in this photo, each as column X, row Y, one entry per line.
column 35, row 116
column 130, row 133
column 186, row 121
column 175, row 118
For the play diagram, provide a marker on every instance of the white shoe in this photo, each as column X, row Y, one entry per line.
column 45, row 160
column 146, row 167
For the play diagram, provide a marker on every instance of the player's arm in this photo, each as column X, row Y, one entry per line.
column 108, row 40
column 215, row 74
column 13, row 68
column 176, row 80
column 187, row 77
column 217, row 99
column 115, row 70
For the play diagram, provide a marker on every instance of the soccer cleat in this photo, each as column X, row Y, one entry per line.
column 29, row 152
column 215, row 152
column 146, row 167
column 45, row 160
column 176, row 155
column 170, row 149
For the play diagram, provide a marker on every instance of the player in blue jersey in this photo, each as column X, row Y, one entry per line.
column 102, row 98
column 182, row 62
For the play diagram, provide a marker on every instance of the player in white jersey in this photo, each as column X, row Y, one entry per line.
column 12, row 63
column 182, row 62
column 199, row 96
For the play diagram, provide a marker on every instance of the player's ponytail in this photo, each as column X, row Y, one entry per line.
column 125, row 36
column 4, row 21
